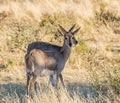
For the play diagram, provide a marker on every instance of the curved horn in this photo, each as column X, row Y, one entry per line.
column 74, row 32
column 72, row 28
column 63, row 30
column 59, row 32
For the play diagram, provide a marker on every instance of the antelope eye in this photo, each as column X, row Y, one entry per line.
column 65, row 37
column 72, row 37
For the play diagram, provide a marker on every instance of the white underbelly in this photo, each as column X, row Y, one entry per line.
column 47, row 72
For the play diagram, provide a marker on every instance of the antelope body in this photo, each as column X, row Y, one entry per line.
column 44, row 59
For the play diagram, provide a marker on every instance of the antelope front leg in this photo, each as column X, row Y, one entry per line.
column 53, row 79
column 56, row 76
column 54, row 82
column 61, row 79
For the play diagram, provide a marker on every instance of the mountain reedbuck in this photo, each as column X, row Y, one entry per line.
column 44, row 59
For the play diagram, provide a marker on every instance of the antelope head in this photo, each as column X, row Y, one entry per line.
column 69, row 38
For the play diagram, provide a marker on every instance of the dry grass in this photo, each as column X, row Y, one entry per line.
column 92, row 73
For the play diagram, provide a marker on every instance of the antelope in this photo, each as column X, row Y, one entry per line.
column 45, row 59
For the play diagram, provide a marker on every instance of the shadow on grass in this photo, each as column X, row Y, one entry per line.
column 10, row 90
column 89, row 92
column 17, row 90
column 82, row 90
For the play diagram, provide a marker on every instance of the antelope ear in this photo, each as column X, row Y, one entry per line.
column 63, row 30
column 60, row 32
column 72, row 28
column 74, row 32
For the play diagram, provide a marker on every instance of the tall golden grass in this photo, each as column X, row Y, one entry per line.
column 92, row 73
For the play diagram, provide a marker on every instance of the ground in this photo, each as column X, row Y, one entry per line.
column 92, row 72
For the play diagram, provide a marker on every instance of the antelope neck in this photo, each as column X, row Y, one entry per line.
column 65, row 50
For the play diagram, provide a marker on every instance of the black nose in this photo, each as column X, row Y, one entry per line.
column 76, row 42
column 70, row 44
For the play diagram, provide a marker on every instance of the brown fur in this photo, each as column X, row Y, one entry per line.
column 47, row 59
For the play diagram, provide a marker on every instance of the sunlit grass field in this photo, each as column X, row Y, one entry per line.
column 91, row 74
